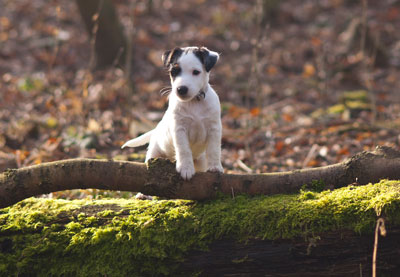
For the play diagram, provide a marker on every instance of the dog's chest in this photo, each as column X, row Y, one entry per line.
column 197, row 132
column 197, row 135
column 198, row 121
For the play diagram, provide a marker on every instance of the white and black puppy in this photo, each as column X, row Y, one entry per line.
column 190, row 131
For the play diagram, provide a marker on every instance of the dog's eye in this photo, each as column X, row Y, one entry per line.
column 175, row 71
column 196, row 72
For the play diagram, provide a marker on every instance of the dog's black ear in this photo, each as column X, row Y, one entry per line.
column 165, row 56
column 170, row 56
column 207, row 57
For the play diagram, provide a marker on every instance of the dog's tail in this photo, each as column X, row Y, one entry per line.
column 141, row 140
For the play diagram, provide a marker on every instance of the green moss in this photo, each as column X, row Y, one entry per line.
column 130, row 157
column 120, row 237
column 307, row 195
column 336, row 109
column 316, row 185
column 106, row 213
column 350, row 102
column 356, row 95
column 9, row 172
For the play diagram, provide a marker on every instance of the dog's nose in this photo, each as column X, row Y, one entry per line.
column 182, row 90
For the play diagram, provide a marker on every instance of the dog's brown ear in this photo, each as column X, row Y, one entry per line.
column 207, row 57
column 170, row 56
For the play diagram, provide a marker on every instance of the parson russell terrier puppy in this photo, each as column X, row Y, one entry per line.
column 190, row 130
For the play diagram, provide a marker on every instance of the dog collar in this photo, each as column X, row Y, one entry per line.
column 200, row 95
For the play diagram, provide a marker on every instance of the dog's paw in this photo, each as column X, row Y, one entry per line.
column 186, row 171
column 216, row 168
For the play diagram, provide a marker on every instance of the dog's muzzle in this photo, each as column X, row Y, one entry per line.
column 182, row 91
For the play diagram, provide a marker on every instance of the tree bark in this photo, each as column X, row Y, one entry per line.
column 109, row 40
column 340, row 253
column 160, row 178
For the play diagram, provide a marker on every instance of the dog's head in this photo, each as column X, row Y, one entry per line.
column 189, row 70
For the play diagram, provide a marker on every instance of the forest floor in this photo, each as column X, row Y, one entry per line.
column 311, row 85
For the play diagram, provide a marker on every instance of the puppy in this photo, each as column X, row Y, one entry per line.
column 190, row 130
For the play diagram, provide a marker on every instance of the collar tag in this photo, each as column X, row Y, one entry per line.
column 201, row 95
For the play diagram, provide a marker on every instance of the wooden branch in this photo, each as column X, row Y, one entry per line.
column 160, row 178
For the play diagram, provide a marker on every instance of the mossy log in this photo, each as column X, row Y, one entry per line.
column 159, row 178
column 329, row 233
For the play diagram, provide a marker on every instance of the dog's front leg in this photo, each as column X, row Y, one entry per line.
column 213, row 150
column 184, row 157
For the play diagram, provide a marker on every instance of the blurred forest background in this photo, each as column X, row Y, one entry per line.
column 302, row 83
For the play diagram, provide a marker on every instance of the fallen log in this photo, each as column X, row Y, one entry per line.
column 329, row 233
column 159, row 178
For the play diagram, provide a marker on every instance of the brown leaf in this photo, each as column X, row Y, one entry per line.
column 236, row 111
column 344, row 151
column 279, row 145
column 308, row 70
column 316, row 42
column 287, row 117
column 255, row 111
column 272, row 70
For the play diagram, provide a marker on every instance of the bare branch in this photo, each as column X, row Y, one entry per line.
column 160, row 178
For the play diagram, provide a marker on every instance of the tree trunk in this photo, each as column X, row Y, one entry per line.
column 104, row 28
column 305, row 234
column 161, row 179
column 331, row 254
